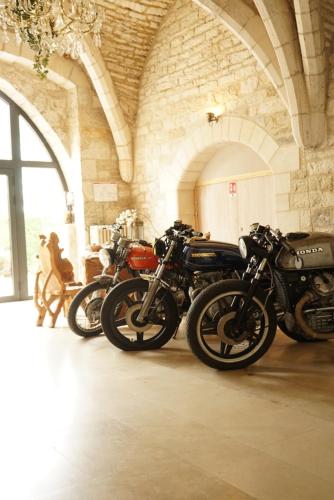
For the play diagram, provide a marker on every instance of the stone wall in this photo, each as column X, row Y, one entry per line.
column 99, row 162
column 76, row 117
column 194, row 64
column 312, row 187
column 49, row 98
column 128, row 31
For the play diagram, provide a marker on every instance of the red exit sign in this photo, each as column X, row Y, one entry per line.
column 232, row 188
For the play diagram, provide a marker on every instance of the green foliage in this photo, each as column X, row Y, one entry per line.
column 42, row 56
column 34, row 227
column 33, row 230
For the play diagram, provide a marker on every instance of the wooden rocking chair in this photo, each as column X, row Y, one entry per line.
column 54, row 284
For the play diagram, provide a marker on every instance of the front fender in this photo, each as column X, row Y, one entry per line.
column 104, row 279
column 212, row 291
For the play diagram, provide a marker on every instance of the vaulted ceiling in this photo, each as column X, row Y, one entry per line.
column 291, row 40
column 128, row 32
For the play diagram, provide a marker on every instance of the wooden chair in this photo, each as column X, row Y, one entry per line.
column 54, row 284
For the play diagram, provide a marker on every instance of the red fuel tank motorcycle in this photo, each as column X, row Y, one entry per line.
column 128, row 258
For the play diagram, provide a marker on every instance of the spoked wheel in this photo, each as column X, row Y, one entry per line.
column 120, row 311
column 211, row 329
column 85, row 310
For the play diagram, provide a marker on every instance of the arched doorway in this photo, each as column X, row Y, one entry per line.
column 32, row 198
column 234, row 189
column 280, row 159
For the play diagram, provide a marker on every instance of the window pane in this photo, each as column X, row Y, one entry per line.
column 5, row 134
column 44, row 211
column 6, row 268
column 32, row 148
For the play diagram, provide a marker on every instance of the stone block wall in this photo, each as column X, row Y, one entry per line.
column 75, row 115
column 128, row 31
column 312, row 186
column 195, row 64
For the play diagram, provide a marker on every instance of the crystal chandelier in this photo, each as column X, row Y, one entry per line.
column 51, row 26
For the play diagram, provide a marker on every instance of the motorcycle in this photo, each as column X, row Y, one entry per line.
column 128, row 258
column 144, row 313
column 289, row 282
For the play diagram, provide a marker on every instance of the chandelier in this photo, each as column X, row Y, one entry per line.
column 51, row 26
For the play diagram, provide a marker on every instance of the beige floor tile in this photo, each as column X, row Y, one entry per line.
column 82, row 420
column 127, row 485
column 313, row 451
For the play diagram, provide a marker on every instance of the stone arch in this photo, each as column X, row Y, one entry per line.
column 41, row 123
column 193, row 154
column 105, row 90
column 64, row 73
column 70, row 167
column 281, row 27
column 248, row 27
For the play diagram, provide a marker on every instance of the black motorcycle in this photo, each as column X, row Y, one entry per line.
column 289, row 281
column 144, row 313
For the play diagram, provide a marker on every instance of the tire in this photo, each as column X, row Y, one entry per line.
column 206, row 312
column 298, row 337
column 118, row 320
column 84, row 311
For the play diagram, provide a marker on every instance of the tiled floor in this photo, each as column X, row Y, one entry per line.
column 81, row 420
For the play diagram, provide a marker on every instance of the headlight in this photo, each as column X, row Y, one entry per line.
column 115, row 236
column 105, row 257
column 245, row 245
column 159, row 248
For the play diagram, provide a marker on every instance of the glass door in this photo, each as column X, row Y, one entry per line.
column 8, row 258
column 43, row 202
column 31, row 199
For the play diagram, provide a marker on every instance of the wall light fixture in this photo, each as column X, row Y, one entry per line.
column 213, row 117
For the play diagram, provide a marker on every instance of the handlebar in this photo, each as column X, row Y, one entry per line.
column 276, row 234
column 182, row 230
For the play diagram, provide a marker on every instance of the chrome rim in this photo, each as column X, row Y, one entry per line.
column 212, row 329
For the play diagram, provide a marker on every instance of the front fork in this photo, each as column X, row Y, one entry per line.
column 154, row 286
column 240, row 316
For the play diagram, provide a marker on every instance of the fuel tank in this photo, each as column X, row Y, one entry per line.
column 315, row 249
column 142, row 258
column 203, row 255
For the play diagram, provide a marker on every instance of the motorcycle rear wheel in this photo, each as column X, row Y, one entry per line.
column 122, row 306
column 85, row 310
column 205, row 335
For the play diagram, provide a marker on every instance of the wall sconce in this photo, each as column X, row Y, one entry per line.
column 212, row 117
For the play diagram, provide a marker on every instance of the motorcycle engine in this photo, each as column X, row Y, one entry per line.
column 321, row 317
column 324, row 283
column 202, row 280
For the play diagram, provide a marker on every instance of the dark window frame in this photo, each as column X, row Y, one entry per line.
column 13, row 170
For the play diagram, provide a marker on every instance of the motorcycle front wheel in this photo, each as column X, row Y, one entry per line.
column 209, row 326
column 121, row 308
column 85, row 309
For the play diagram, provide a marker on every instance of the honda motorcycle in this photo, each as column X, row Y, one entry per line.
column 129, row 258
column 289, row 281
column 144, row 313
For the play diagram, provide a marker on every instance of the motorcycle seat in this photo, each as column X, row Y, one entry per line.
column 296, row 236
